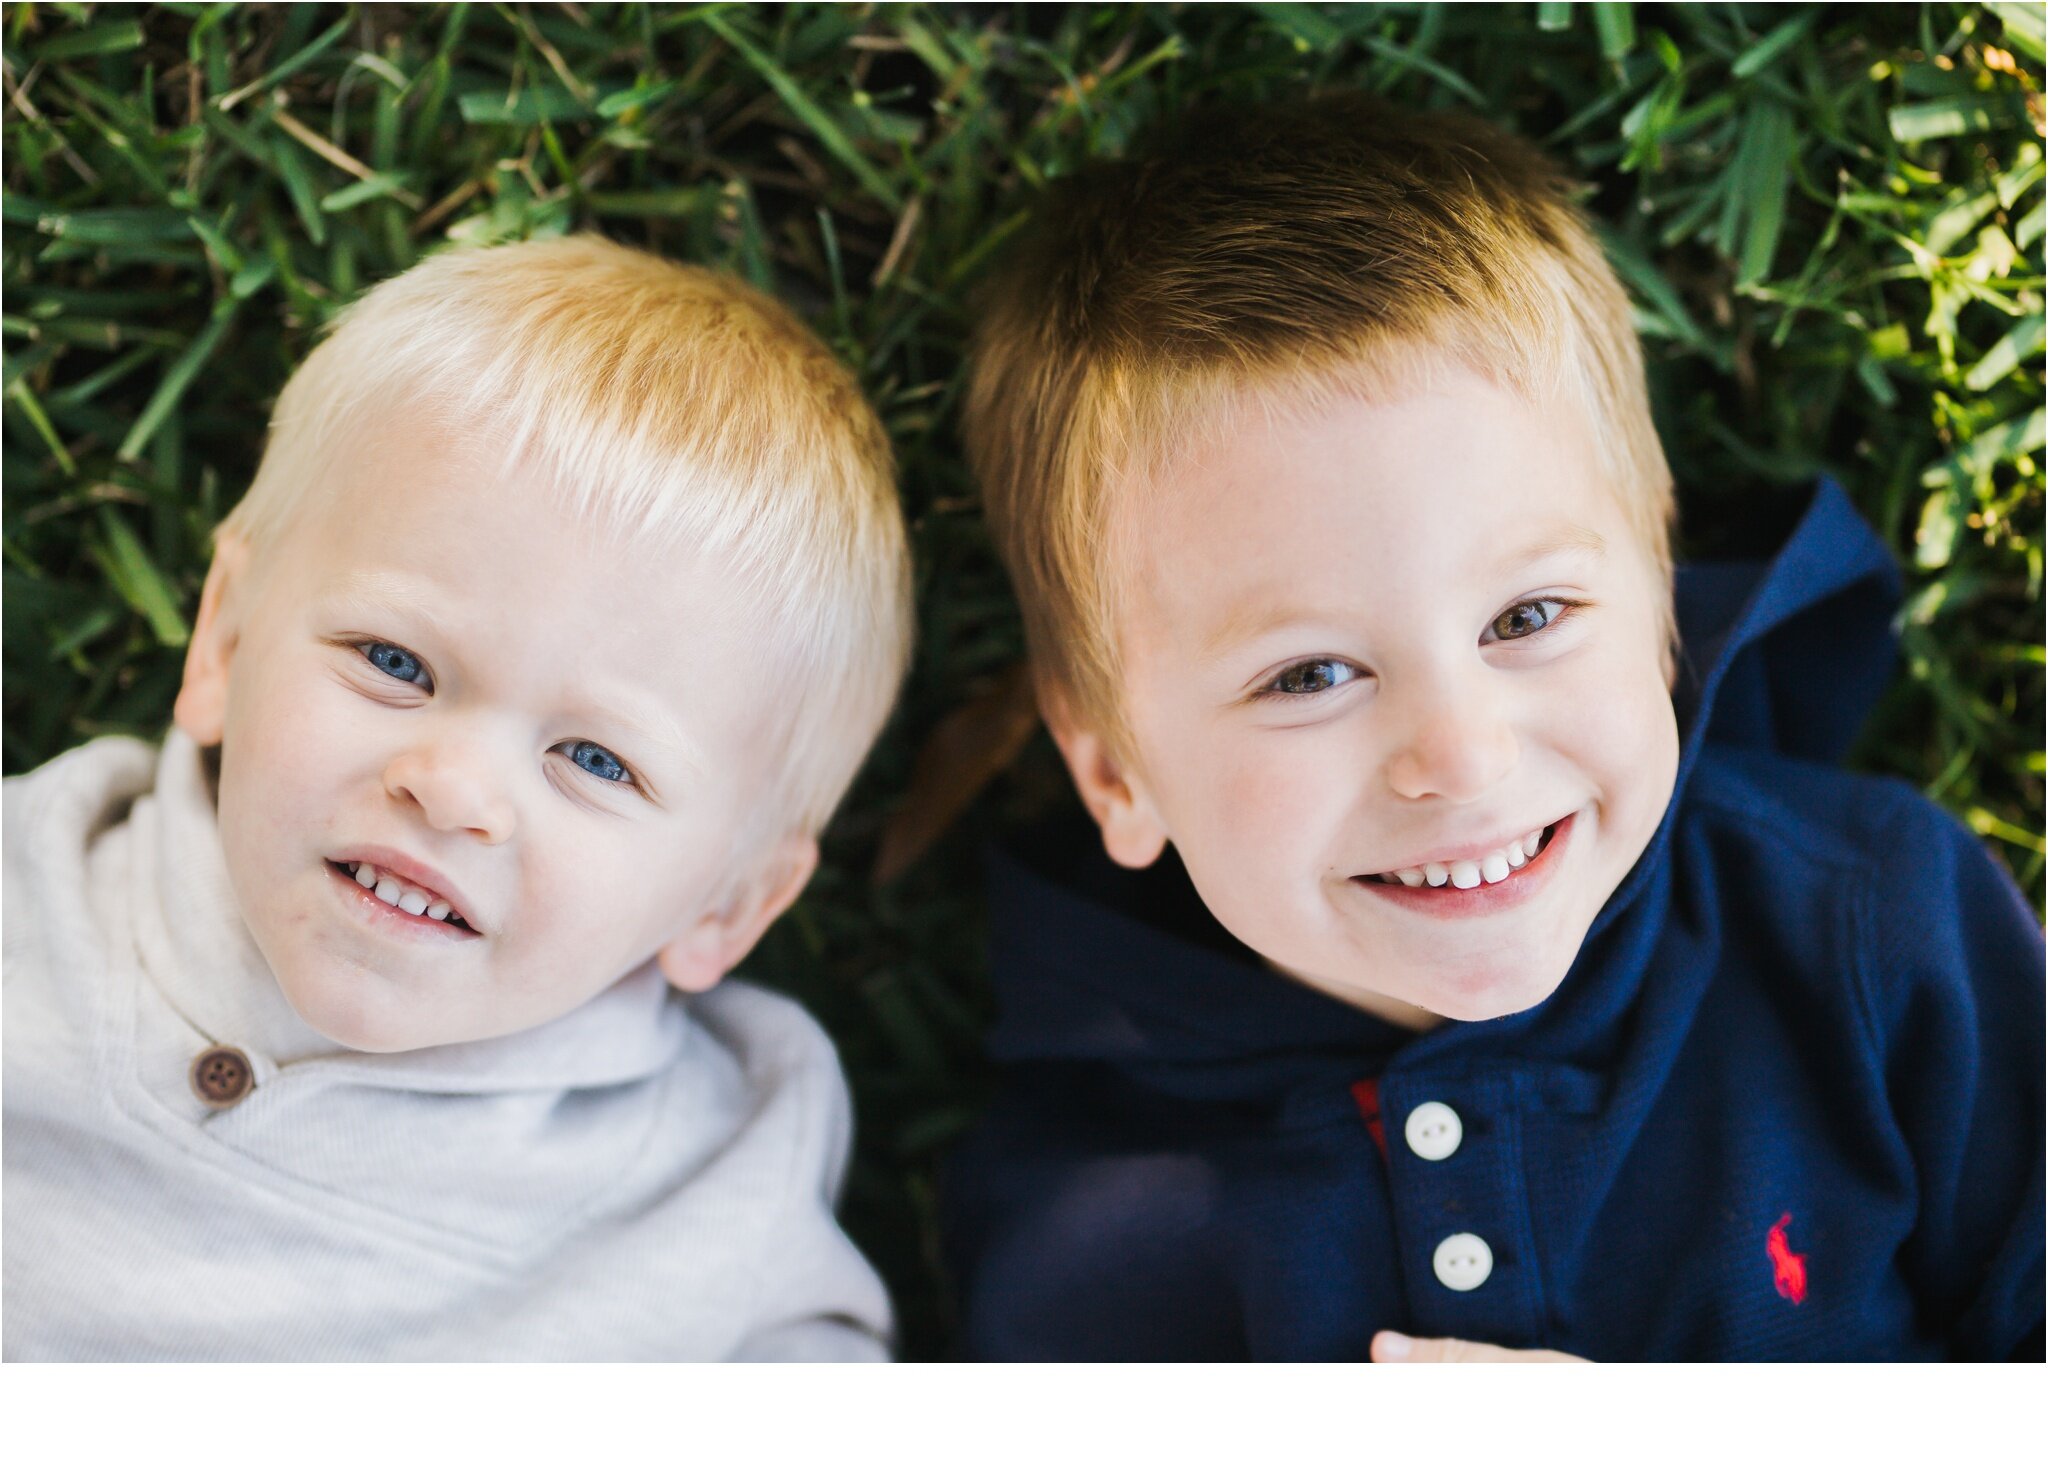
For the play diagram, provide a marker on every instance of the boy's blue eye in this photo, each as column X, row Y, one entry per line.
column 1526, row 619
column 597, row 762
column 1306, row 678
column 394, row 661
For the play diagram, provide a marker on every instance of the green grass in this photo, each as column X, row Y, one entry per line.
column 1830, row 216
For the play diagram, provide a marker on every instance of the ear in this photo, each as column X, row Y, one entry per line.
column 202, row 706
column 695, row 960
column 1132, row 831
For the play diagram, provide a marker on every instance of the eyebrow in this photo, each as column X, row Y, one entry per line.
column 1260, row 618
column 1565, row 539
column 644, row 725
column 373, row 591
column 1248, row 623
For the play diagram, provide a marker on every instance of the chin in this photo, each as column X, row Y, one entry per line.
column 1483, row 996
column 365, row 1027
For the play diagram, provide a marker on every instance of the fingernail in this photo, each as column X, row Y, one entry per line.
column 1395, row 1346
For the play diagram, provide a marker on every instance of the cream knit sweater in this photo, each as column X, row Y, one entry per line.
column 647, row 1177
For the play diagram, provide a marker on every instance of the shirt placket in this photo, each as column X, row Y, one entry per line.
column 1461, row 1206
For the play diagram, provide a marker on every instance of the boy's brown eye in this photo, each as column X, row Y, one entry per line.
column 1525, row 619
column 1309, row 677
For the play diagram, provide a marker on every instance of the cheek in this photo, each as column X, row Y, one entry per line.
column 299, row 755
column 1257, row 806
column 1630, row 749
column 266, row 746
column 624, row 887
column 271, row 692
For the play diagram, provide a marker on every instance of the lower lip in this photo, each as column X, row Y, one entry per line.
column 389, row 917
column 1449, row 903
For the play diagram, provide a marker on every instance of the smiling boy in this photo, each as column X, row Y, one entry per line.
column 351, row 1025
column 1465, row 963
column 1294, row 534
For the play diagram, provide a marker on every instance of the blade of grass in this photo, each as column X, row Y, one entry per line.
column 96, row 40
column 2009, row 439
column 835, row 268
column 1953, row 117
column 1616, row 26
column 2024, row 340
column 1305, row 25
column 1763, row 173
column 377, row 185
column 79, row 393
column 2024, row 26
column 175, row 382
column 299, row 59
column 526, row 108
column 2028, row 231
column 808, row 112
column 1775, row 43
column 617, row 104
column 298, row 187
column 115, row 226
column 95, row 624
column 341, row 158
column 654, row 203
column 136, row 577
column 1988, row 823
column 1427, row 65
column 18, row 392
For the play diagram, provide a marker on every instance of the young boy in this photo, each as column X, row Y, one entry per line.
column 566, row 601
column 1510, row 981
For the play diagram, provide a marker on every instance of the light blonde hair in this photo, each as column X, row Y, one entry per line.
column 1301, row 249
column 688, row 411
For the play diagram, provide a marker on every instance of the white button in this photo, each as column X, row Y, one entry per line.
column 1434, row 1131
column 1463, row 1261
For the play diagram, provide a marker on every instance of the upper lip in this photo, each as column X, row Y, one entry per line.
column 413, row 872
column 1475, row 851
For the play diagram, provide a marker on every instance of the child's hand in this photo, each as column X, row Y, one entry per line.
column 1400, row 1348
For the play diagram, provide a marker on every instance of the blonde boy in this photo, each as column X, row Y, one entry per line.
column 1503, row 985
column 566, row 601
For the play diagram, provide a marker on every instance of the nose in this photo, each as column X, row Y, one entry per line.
column 1455, row 743
column 455, row 785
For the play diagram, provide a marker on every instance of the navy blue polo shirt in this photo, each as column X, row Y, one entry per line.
column 1786, row 1104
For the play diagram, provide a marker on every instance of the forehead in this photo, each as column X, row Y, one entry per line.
column 487, row 552
column 1347, row 504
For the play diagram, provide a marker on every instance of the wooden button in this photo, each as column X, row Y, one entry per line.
column 221, row 1076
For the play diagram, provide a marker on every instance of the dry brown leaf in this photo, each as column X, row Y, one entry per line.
column 971, row 745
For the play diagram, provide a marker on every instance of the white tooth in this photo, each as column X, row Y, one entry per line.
column 366, row 875
column 1435, row 874
column 1464, row 874
column 388, row 890
column 1409, row 877
column 1516, row 859
column 1533, row 843
column 1494, row 869
column 439, row 910
column 412, row 902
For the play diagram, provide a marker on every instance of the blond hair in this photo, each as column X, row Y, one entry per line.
column 685, row 409
column 1332, row 245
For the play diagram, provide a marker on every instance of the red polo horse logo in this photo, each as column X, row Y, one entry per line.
column 1788, row 1267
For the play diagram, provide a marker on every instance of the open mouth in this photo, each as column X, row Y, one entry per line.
column 1492, row 868
column 402, row 895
